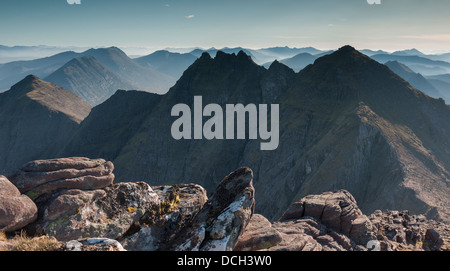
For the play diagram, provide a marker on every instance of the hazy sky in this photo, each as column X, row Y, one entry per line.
column 325, row 24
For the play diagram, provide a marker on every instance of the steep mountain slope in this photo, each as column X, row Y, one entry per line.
column 383, row 140
column 13, row 72
column 36, row 118
column 89, row 79
column 111, row 124
column 420, row 64
column 142, row 78
column 415, row 79
column 346, row 122
column 173, row 64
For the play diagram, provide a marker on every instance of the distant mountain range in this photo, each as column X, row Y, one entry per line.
column 172, row 64
column 97, row 79
column 107, row 64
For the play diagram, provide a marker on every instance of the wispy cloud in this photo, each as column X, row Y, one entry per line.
column 190, row 16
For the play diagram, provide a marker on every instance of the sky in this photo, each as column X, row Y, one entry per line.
column 156, row 24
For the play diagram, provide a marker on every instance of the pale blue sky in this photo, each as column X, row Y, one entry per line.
column 325, row 24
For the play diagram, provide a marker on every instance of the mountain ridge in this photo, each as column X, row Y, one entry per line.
column 344, row 114
column 36, row 118
column 346, row 122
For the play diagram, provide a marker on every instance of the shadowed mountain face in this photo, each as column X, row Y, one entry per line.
column 36, row 118
column 346, row 122
column 420, row 64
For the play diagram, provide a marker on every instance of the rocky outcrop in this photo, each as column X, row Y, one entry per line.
column 333, row 221
column 44, row 176
column 177, row 206
column 329, row 221
column 338, row 211
column 223, row 218
column 16, row 210
column 400, row 230
column 137, row 216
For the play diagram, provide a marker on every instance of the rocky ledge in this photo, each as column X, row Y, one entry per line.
column 74, row 202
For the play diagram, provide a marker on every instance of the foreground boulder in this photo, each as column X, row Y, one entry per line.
column 109, row 213
column 177, row 206
column 16, row 210
column 305, row 234
column 222, row 220
column 338, row 211
column 44, row 176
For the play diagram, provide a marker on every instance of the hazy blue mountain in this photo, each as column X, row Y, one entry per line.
column 18, row 53
column 89, row 79
column 442, row 83
column 142, row 78
column 441, row 57
column 415, row 79
column 298, row 62
column 369, row 52
column 419, row 64
column 13, row 72
column 408, row 52
column 287, row 52
column 172, row 64
column 442, row 77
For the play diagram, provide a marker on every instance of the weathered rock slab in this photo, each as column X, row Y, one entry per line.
column 43, row 176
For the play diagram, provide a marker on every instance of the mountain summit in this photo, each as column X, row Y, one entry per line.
column 36, row 117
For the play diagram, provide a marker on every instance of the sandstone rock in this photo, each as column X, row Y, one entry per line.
column 16, row 210
column 259, row 234
column 222, row 219
column 338, row 211
column 43, row 176
column 308, row 234
column 62, row 163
